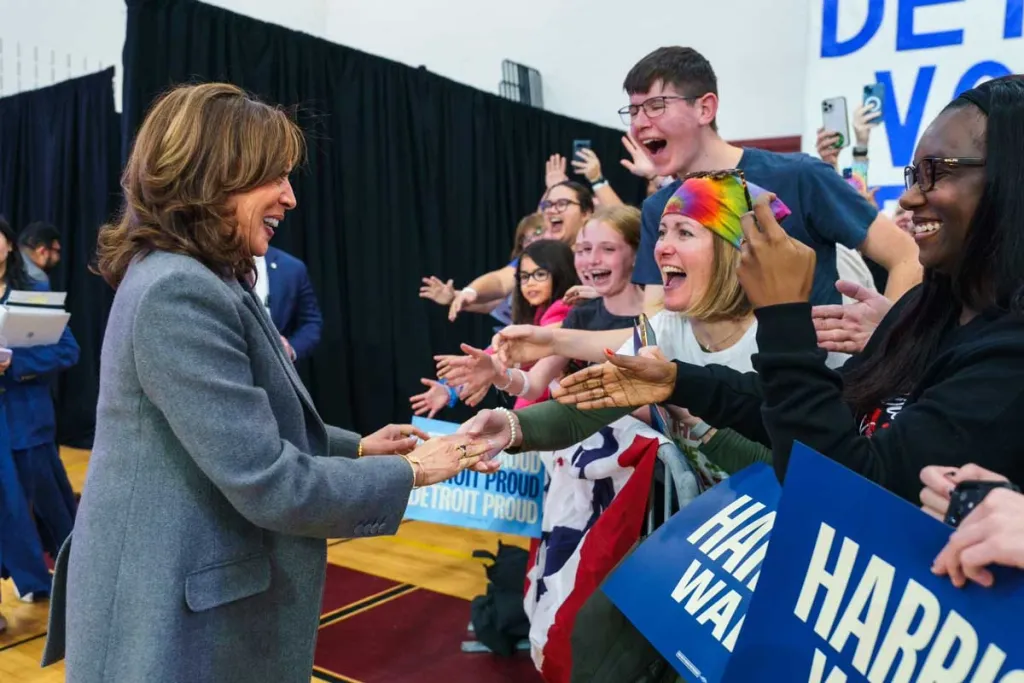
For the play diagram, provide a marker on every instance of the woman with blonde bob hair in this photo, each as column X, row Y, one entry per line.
column 707, row 320
column 198, row 553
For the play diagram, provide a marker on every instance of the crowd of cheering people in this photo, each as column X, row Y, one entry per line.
column 781, row 303
column 785, row 307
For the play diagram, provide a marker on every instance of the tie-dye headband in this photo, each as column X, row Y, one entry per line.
column 717, row 201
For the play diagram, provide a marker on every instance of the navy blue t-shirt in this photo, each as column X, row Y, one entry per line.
column 826, row 211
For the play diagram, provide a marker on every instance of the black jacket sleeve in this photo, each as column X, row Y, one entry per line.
column 968, row 408
column 722, row 397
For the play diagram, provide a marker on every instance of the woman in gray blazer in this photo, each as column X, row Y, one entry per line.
column 199, row 553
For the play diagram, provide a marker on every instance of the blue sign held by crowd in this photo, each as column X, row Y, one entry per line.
column 688, row 586
column 846, row 593
column 509, row 501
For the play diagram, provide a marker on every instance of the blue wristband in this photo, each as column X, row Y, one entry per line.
column 453, row 396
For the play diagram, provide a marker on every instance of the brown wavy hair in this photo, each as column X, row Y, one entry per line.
column 198, row 145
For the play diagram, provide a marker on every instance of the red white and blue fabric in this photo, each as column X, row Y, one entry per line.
column 595, row 505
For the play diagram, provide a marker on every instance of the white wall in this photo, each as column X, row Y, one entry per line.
column 925, row 55
column 582, row 48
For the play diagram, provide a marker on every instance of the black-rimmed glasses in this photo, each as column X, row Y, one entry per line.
column 540, row 275
column 559, row 205
column 923, row 173
column 653, row 107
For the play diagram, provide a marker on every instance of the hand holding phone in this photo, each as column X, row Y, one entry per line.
column 834, row 119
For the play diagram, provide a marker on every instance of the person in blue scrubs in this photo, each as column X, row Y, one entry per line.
column 21, row 551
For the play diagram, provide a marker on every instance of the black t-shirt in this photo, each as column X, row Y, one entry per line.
column 593, row 316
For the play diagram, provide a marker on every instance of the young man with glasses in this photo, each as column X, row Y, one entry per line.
column 673, row 95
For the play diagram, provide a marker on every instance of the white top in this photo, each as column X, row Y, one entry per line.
column 851, row 266
column 674, row 336
column 262, row 289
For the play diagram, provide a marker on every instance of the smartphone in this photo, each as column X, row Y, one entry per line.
column 874, row 96
column 835, row 118
column 855, row 180
column 577, row 145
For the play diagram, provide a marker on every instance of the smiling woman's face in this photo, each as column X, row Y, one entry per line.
column 260, row 210
column 942, row 215
column 685, row 253
column 563, row 216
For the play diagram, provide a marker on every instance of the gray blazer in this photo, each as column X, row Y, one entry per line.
column 198, row 552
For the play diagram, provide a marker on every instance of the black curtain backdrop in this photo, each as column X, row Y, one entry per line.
column 409, row 174
column 59, row 162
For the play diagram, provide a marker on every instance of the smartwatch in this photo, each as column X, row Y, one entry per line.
column 968, row 495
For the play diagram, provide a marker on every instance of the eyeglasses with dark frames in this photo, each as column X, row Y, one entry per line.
column 653, row 106
column 540, row 275
column 923, row 174
column 559, row 205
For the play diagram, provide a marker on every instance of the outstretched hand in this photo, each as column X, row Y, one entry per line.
column 622, row 382
column 521, row 344
column 846, row 328
column 393, row 440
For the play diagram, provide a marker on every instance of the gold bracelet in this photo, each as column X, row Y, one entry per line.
column 359, row 451
column 413, row 462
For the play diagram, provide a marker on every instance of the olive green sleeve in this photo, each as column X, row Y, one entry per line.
column 549, row 426
column 732, row 451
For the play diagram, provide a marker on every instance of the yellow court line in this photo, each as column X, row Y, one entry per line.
column 360, row 600
column 369, row 607
column 426, row 546
column 335, row 675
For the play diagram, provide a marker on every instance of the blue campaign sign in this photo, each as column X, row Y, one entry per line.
column 687, row 587
column 508, row 501
column 846, row 593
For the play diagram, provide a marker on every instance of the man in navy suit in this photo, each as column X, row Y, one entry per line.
column 282, row 284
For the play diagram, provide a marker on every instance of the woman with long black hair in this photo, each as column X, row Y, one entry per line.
column 941, row 381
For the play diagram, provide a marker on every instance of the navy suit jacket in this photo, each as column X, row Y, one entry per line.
column 293, row 306
column 26, row 387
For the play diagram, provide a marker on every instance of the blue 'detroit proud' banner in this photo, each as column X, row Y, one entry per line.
column 508, row 501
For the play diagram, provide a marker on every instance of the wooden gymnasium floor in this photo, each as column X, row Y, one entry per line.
column 427, row 555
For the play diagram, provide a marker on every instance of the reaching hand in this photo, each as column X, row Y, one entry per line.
column 441, row 458
column 520, row 344
column 578, row 294
column 494, row 426
column 827, row 150
column 587, row 165
column 431, row 401
column 4, row 365
column 442, row 293
column 392, row 440
column 774, row 268
column 476, row 370
column 462, row 299
column 623, row 382
column 554, row 171
column 846, row 328
column 639, row 164
column 864, row 119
